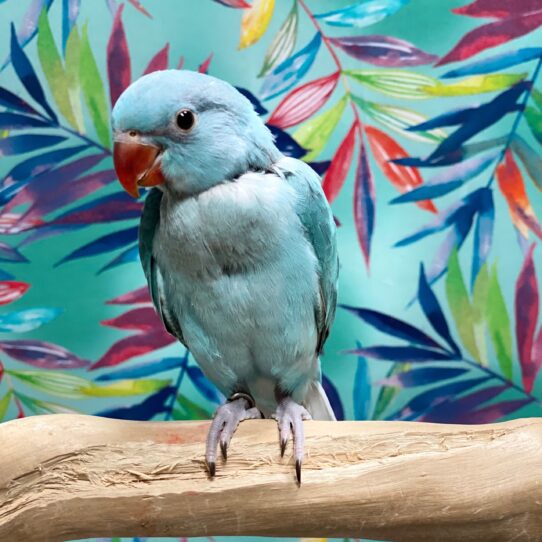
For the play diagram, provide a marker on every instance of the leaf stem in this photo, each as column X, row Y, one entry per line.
column 517, row 120
column 180, row 377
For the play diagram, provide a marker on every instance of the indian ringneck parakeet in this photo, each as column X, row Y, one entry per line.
column 238, row 246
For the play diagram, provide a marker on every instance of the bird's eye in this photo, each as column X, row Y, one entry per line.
column 185, row 120
column 132, row 133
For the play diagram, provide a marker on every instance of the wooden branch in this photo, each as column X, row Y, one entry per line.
column 65, row 477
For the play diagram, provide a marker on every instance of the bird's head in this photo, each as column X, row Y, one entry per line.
column 188, row 132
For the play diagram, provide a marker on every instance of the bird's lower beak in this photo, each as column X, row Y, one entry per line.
column 137, row 164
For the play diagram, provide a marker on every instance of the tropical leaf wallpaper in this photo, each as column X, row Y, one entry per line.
column 424, row 120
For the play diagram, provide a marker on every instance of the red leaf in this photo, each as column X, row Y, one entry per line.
column 498, row 8
column 141, row 295
column 526, row 311
column 338, row 169
column 141, row 319
column 404, row 178
column 364, row 203
column 118, row 59
column 133, row 346
column 159, row 61
column 140, row 8
column 204, row 67
column 491, row 35
column 11, row 223
column 303, row 102
column 42, row 354
column 235, row 3
column 11, row 290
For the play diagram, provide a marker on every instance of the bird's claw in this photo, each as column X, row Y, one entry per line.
column 290, row 416
column 225, row 421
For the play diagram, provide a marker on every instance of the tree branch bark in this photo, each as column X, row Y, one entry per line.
column 66, row 477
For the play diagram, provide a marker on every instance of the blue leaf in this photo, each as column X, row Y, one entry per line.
column 146, row 410
column 41, row 163
column 496, row 63
column 26, row 320
column 10, row 254
column 433, row 311
column 428, row 399
column 141, row 370
column 286, row 144
column 131, row 254
column 362, row 390
column 70, row 11
column 25, row 72
column 12, row 101
column 334, row 398
column 203, row 384
column 421, row 376
column 450, row 179
column 106, row 243
column 4, row 275
column 7, row 193
column 291, row 70
column 320, row 167
column 362, row 14
column 483, row 234
column 16, row 121
column 258, row 107
column 393, row 326
column 403, row 354
column 27, row 143
column 450, row 118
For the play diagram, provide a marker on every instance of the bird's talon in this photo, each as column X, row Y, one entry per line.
column 283, row 444
column 298, row 471
column 211, row 467
column 224, row 450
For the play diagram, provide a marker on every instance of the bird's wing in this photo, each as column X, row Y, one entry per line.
column 147, row 228
column 317, row 219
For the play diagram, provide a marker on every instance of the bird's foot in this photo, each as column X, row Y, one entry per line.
column 225, row 421
column 290, row 416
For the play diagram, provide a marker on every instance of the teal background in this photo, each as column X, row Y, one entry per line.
column 195, row 29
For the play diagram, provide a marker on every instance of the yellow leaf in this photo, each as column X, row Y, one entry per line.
column 255, row 22
column 477, row 84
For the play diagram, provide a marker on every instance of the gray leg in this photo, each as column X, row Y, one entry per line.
column 290, row 416
column 226, row 419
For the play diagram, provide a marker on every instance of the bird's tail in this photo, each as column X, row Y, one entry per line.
column 317, row 403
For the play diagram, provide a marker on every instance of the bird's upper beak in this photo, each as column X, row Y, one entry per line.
column 137, row 163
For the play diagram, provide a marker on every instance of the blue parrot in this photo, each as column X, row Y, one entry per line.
column 238, row 246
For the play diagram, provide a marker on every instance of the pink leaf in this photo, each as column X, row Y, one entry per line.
column 490, row 35
column 364, row 203
column 42, row 354
column 526, row 312
column 140, row 319
column 141, row 295
column 536, row 356
column 303, row 102
column 494, row 412
column 11, row 290
column 118, row 59
column 180, row 64
column 159, row 61
column 133, row 346
column 234, row 3
column 498, row 9
column 204, row 67
column 11, row 223
column 140, row 8
column 338, row 169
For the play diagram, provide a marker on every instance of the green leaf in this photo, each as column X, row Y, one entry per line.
column 499, row 324
column 124, row 387
column 72, row 59
column 536, row 95
column 399, row 119
column 458, row 300
column 397, row 83
column 4, row 404
column 314, row 133
column 529, row 158
column 477, row 84
column 93, row 90
column 387, row 394
column 55, row 383
column 52, row 68
column 534, row 120
column 189, row 410
column 283, row 43
column 37, row 406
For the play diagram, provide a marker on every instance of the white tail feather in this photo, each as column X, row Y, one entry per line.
column 317, row 403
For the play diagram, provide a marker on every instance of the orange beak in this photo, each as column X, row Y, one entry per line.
column 137, row 164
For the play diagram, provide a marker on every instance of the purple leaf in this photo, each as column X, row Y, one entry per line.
column 493, row 413
column 483, row 234
column 364, row 203
column 144, row 369
column 334, row 398
column 393, row 326
column 10, row 254
column 204, row 385
column 42, row 354
column 362, row 390
column 291, row 70
column 118, row 59
column 20, row 144
column 105, row 243
column 403, row 354
column 26, row 74
column 383, row 51
column 421, row 376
